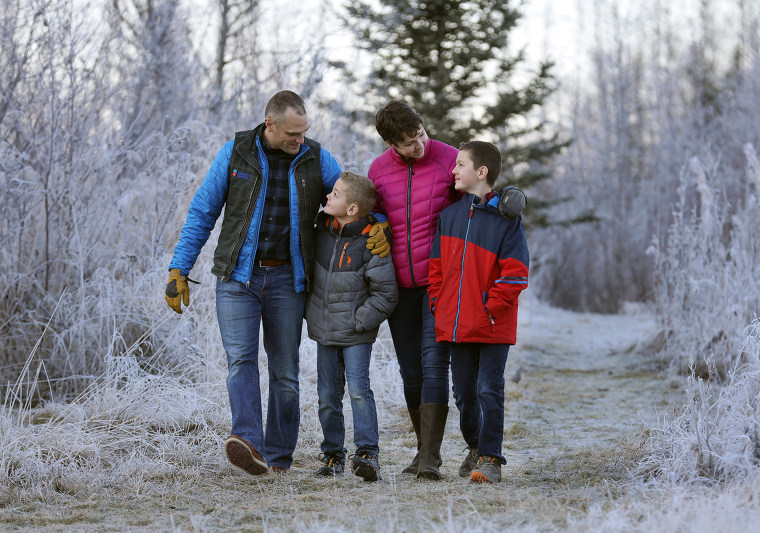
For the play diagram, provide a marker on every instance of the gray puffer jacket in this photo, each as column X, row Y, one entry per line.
column 353, row 290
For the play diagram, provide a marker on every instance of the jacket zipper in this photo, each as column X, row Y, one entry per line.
column 302, row 209
column 330, row 273
column 238, row 240
column 461, row 273
column 409, row 225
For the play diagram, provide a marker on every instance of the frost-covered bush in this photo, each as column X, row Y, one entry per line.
column 716, row 434
column 111, row 238
column 650, row 97
column 100, row 153
column 708, row 266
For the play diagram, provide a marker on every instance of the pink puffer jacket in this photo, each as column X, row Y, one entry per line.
column 412, row 194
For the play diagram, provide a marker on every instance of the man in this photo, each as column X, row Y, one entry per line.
column 271, row 181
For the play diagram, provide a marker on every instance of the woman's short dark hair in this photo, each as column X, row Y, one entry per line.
column 396, row 119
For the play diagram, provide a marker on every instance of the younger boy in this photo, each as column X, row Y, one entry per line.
column 478, row 267
column 353, row 292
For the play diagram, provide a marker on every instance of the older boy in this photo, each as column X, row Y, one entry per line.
column 478, row 267
column 354, row 291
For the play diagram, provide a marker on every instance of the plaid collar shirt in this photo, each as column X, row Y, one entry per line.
column 274, row 232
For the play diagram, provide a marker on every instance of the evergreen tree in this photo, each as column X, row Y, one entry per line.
column 449, row 60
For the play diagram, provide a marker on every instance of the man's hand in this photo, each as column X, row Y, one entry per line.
column 379, row 241
column 177, row 291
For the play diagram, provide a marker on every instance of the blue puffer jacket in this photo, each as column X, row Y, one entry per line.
column 207, row 204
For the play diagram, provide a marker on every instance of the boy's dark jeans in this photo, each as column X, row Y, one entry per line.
column 477, row 371
column 419, row 355
column 337, row 366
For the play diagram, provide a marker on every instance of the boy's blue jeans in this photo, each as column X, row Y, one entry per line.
column 269, row 299
column 477, row 371
column 336, row 366
column 423, row 362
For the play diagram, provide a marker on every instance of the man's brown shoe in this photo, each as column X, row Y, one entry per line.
column 241, row 454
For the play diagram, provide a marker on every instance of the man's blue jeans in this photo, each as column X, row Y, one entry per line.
column 423, row 362
column 336, row 366
column 269, row 299
column 477, row 371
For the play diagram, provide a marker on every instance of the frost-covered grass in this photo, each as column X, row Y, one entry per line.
column 141, row 448
column 158, row 413
column 715, row 436
column 133, row 425
column 700, row 509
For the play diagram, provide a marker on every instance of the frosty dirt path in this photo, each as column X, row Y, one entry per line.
column 573, row 424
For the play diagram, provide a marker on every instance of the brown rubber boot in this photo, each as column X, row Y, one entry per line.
column 432, row 426
column 414, row 414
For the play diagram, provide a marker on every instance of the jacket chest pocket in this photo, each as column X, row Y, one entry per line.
column 240, row 195
column 241, row 172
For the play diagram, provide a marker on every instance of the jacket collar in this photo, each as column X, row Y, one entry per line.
column 493, row 203
column 352, row 229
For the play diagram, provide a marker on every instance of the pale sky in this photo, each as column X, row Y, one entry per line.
column 567, row 30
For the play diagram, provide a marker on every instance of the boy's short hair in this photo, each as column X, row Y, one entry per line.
column 360, row 191
column 484, row 154
column 279, row 104
column 396, row 119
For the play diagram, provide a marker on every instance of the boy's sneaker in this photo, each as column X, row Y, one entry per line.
column 333, row 464
column 488, row 470
column 469, row 463
column 244, row 456
column 365, row 465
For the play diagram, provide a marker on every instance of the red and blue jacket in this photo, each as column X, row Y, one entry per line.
column 478, row 267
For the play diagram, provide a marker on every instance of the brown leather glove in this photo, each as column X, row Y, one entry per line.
column 177, row 291
column 379, row 241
